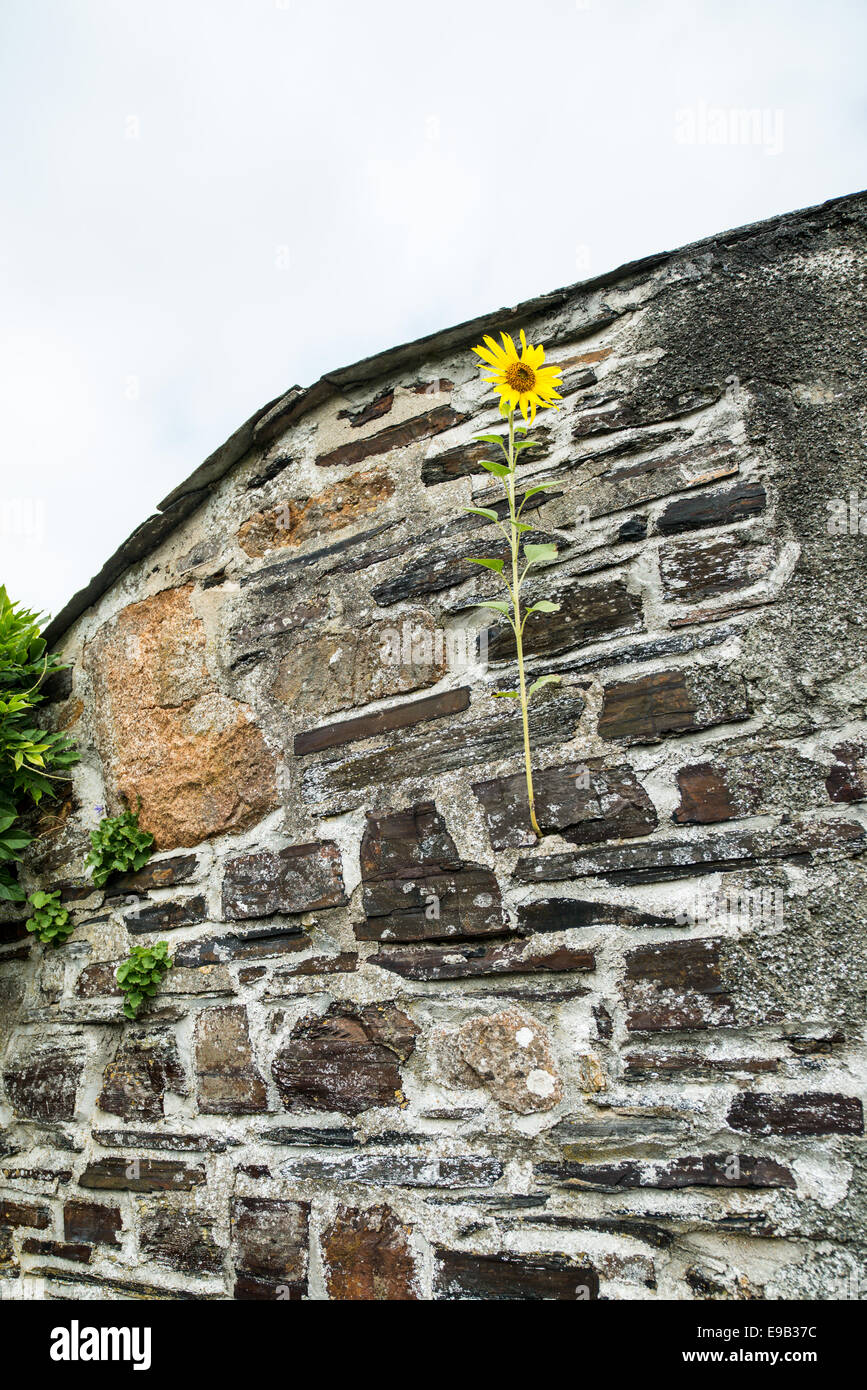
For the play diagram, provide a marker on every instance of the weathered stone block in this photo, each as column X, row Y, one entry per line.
column 705, row 1170
column 295, row 520
column 460, row 1274
column 675, row 985
column 803, row 1113
column 455, row 962
column 211, row 951
column 588, row 613
column 42, row 1079
column 164, row 731
column 345, row 1060
column 712, row 509
column 58, row 1250
column 269, row 1247
column 167, row 916
column 14, row 1213
column 146, row 1066
column 397, row 436
column 366, row 1256
column 584, row 802
column 680, row 701
column 300, row 878
column 382, row 721
column 228, row 1081
column 181, row 1239
column 509, row 1053
column 92, row 1223
column 693, row 570
column 141, row 1175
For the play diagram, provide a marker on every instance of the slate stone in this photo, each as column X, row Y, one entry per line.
column 588, row 613
column 146, row 1066
column 167, row 916
column 345, row 1060
column 141, row 1175
column 14, row 1213
column 676, row 985
column 459, row 1274
column 661, row 860
column 42, row 1081
column 706, row 1170
column 432, row 422
column 158, row 873
column 367, row 1257
column 415, row 886
column 586, row 803
column 704, row 796
column 180, row 1239
column 214, row 950
column 801, row 1114
column 712, row 509
column 694, row 570
column 92, row 1223
column 300, row 878
column 167, row 1140
column 847, row 780
column 622, row 488
column 269, row 1247
column 454, row 962
column 228, row 1082
column 384, row 721
column 465, row 459
column 564, row 914
column 57, row 1250
column 662, row 703
column 659, row 1065
column 397, row 1170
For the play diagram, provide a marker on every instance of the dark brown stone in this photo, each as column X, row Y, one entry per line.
column 167, row 916
column 588, row 613
column 712, row 509
column 269, row 1247
column 146, row 1066
column 647, row 1065
column 810, row 1112
column 694, row 570
column 416, row 888
column 159, row 873
column 214, row 950
column 563, row 914
column 91, row 1223
column 374, row 410
column 676, row 985
column 301, row 878
column 99, row 980
column 704, row 796
column 180, row 1239
column 627, row 484
column 442, row 417
column 137, row 1139
column 55, row 1249
column 847, row 780
column 671, row 702
column 454, row 962
column 24, row 1214
column 383, row 721
column 521, row 1278
column 228, row 1081
column 707, row 1170
column 661, row 860
column 584, row 802
column 345, row 1060
column 42, row 1082
column 341, row 963
column 140, row 1175
column 367, row 1257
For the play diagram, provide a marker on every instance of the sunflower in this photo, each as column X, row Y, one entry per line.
column 520, row 381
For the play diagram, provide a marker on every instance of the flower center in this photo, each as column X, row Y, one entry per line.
column 520, row 377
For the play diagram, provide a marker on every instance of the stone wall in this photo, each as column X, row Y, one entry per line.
column 407, row 1052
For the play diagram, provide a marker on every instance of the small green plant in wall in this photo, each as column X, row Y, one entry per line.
column 141, row 975
column 521, row 381
column 50, row 919
column 34, row 764
column 119, row 847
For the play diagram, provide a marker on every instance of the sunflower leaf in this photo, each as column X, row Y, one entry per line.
column 538, row 554
column 543, row 680
column 483, row 511
column 496, row 565
column 506, row 694
column 499, row 469
column 496, row 604
column 544, row 606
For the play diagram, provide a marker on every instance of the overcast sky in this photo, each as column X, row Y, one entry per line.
column 203, row 202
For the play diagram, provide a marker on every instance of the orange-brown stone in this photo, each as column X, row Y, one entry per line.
column 166, row 734
column 292, row 522
column 367, row 1257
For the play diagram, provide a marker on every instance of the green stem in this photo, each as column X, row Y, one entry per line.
column 518, row 625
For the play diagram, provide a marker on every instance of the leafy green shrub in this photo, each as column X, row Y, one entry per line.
column 50, row 921
column 119, row 845
column 141, row 974
column 32, row 761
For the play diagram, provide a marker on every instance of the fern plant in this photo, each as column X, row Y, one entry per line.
column 119, row 845
column 50, row 919
column 33, row 763
column 141, row 975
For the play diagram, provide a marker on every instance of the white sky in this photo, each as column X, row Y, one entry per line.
column 203, row 202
